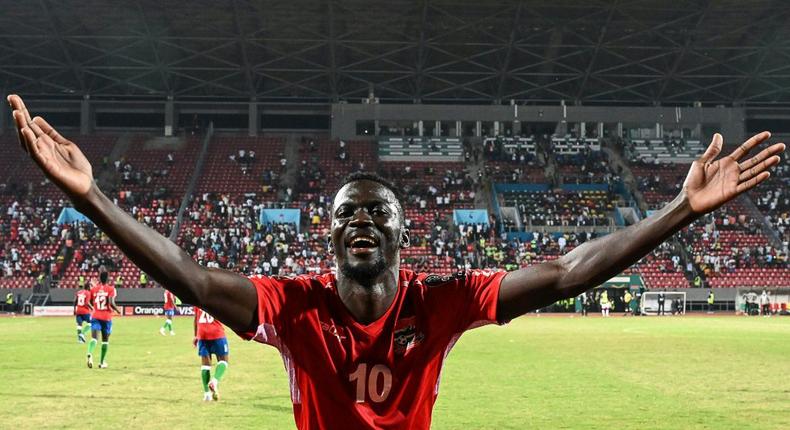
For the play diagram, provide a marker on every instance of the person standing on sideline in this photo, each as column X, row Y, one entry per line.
column 82, row 312
column 585, row 303
column 627, row 302
column 710, row 301
column 605, row 304
column 765, row 304
column 9, row 302
column 170, row 311
column 635, row 304
column 661, row 299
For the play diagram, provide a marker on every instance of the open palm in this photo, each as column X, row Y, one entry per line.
column 59, row 158
column 711, row 183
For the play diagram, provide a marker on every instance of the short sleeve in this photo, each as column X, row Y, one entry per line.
column 464, row 300
column 482, row 290
column 278, row 298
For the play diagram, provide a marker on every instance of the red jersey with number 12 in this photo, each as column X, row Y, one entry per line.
column 83, row 298
column 207, row 327
column 382, row 375
column 101, row 294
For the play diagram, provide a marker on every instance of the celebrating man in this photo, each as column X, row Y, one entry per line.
column 364, row 347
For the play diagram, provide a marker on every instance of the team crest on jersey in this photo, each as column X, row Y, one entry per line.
column 433, row 280
column 406, row 335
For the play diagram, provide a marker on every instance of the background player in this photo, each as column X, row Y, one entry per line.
column 103, row 295
column 210, row 339
column 82, row 311
column 170, row 310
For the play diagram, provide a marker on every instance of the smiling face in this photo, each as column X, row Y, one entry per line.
column 367, row 230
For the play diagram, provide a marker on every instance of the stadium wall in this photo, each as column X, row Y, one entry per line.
column 154, row 296
column 65, row 296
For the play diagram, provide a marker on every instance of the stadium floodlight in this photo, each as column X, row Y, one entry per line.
column 674, row 301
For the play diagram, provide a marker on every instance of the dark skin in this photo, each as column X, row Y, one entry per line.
column 368, row 207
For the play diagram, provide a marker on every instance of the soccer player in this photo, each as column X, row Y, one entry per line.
column 103, row 296
column 82, row 311
column 364, row 347
column 170, row 310
column 210, row 339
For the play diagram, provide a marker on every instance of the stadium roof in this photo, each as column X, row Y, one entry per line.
column 457, row 51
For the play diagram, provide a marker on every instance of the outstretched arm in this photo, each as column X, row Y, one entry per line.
column 709, row 185
column 226, row 295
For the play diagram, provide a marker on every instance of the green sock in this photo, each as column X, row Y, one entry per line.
column 222, row 366
column 86, row 328
column 92, row 346
column 168, row 326
column 205, row 375
column 104, row 346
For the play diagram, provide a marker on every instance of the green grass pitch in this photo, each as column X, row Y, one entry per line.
column 547, row 372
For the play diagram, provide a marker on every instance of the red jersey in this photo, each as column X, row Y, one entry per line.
column 83, row 298
column 207, row 327
column 382, row 375
column 170, row 301
column 101, row 295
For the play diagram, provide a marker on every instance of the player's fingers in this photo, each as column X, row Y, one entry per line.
column 713, row 149
column 34, row 147
column 36, row 128
column 20, row 124
column 49, row 130
column 764, row 154
column 753, row 141
column 751, row 183
column 756, row 170
column 18, row 105
column 26, row 139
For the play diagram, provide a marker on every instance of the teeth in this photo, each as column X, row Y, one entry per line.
column 366, row 240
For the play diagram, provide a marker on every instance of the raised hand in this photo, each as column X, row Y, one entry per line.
column 711, row 183
column 59, row 158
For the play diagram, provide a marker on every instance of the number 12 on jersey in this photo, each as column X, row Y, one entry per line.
column 369, row 381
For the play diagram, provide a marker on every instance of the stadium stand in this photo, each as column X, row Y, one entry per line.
column 243, row 176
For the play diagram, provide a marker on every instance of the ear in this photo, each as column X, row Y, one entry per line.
column 405, row 242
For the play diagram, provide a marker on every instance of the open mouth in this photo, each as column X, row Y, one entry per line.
column 362, row 245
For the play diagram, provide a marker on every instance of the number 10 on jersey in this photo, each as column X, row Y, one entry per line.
column 369, row 381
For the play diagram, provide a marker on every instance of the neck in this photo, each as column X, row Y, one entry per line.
column 367, row 303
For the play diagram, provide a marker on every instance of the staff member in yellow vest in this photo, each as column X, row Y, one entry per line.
column 143, row 280
column 710, row 301
column 627, row 302
column 605, row 304
column 119, row 281
column 9, row 302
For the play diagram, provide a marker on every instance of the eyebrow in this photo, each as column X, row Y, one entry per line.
column 364, row 204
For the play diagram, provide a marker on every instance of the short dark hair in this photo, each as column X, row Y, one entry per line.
column 104, row 277
column 371, row 176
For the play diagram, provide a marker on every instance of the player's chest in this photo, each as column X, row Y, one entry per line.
column 406, row 340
